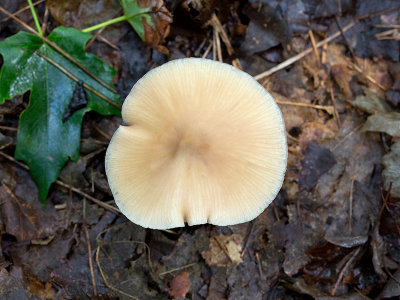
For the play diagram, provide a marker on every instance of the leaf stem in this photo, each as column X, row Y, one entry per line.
column 35, row 18
column 112, row 21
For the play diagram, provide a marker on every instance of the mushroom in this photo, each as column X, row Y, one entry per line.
column 203, row 142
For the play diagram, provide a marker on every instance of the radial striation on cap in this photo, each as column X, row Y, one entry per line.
column 203, row 143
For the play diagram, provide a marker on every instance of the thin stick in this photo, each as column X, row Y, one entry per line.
column 328, row 109
column 323, row 42
column 22, row 10
column 45, row 20
column 276, row 211
column 14, row 196
column 351, row 205
column 219, row 51
column 177, row 269
column 348, row 135
column 90, row 260
column 8, row 128
column 345, row 268
column 247, row 238
column 35, row 17
column 259, row 266
column 223, row 248
column 358, row 69
column 214, row 46
column 336, row 113
column 105, row 279
column 98, row 202
column 299, row 56
column 323, row 55
column 344, row 38
column 66, row 54
column 74, row 189
column 104, row 40
column 314, row 45
column 66, row 72
column 207, row 50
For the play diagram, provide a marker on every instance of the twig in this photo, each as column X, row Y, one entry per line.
column 345, row 39
column 14, row 196
column 177, row 269
column 345, row 268
column 218, row 43
column 328, row 109
column 359, row 70
column 224, row 36
column 45, row 20
column 259, row 266
column 90, row 259
column 214, row 47
column 223, row 248
column 207, row 50
column 8, row 128
column 74, row 189
column 274, row 206
column 336, row 113
column 22, row 10
column 299, row 56
column 104, row 40
column 347, row 136
column 66, row 72
column 351, row 204
column 66, row 54
column 314, row 45
column 98, row 202
column 97, row 35
column 198, row 50
column 103, row 275
column 102, row 133
column 110, row 286
column 247, row 238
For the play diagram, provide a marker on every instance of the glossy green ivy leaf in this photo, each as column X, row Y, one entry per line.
column 44, row 141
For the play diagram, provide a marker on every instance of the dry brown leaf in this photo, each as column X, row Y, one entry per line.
column 161, row 18
column 180, row 285
column 224, row 250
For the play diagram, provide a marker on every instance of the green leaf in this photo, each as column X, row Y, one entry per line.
column 135, row 14
column 44, row 141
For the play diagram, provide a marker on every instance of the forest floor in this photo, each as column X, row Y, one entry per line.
column 333, row 232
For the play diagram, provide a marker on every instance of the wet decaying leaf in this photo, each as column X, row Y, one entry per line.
column 316, row 162
column 391, row 173
column 332, row 232
column 12, row 285
column 266, row 29
column 81, row 14
column 384, row 122
column 22, row 214
column 371, row 103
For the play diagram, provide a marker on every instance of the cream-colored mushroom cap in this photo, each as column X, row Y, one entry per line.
column 203, row 143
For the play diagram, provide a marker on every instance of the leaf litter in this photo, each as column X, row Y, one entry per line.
column 333, row 230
